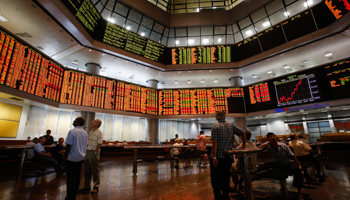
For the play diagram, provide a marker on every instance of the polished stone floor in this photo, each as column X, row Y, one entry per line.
column 155, row 181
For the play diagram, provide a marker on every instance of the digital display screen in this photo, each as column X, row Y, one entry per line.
column 276, row 33
column 72, row 88
column 94, row 91
column 49, row 80
column 259, row 96
column 297, row 89
column 246, row 49
column 299, row 25
column 338, row 7
column 200, row 101
column 338, row 79
column 111, row 86
column 203, row 54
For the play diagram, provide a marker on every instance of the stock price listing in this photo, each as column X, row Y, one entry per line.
column 259, row 93
column 338, row 76
column 204, row 54
column 297, row 89
column 200, row 101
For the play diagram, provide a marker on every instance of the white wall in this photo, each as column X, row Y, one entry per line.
column 114, row 127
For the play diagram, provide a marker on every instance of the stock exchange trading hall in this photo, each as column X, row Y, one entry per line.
column 150, row 70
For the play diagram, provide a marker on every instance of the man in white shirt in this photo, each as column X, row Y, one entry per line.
column 304, row 153
column 92, row 158
column 76, row 144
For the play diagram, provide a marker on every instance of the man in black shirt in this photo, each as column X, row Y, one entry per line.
column 49, row 138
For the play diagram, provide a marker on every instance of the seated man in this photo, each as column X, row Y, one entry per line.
column 43, row 157
column 48, row 137
column 176, row 152
column 30, row 152
column 304, row 153
column 236, row 166
column 59, row 151
column 282, row 155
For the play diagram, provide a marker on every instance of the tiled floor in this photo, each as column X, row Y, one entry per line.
column 155, row 181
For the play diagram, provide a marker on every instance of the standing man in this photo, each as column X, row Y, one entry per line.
column 201, row 148
column 49, row 138
column 222, row 136
column 76, row 143
column 92, row 158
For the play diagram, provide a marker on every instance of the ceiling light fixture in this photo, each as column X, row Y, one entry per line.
column 266, row 24
column 177, row 42
column 306, row 61
column 308, row 3
column 205, row 40
column 90, row 50
column 254, row 76
column 286, row 66
column 189, row 81
column 142, row 34
column 190, row 41
column 202, row 81
column 219, row 40
column 328, row 54
column 128, row 27
column 249, row 32
column 271, row 73
column 176, row 82
column 111, row 20
column 216, row 80
column 286, row 14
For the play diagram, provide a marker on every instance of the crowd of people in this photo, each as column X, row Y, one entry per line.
column 81, row 148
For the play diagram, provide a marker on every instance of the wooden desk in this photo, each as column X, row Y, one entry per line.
column 248, row 188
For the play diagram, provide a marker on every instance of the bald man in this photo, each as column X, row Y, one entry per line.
column 92, row 158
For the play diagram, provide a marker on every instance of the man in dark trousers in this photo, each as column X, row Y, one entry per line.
column 76, row 144
column 222, row 136
column 284, row 158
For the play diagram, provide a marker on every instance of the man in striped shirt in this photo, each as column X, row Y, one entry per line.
column 92, row 158
column 222, row 136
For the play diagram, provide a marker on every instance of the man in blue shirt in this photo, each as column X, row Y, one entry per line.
column 43, row 157
column 283, row 160
column 76, row 144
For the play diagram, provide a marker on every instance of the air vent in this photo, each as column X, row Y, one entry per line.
column 16, row 99
column 26, row 35
column 75, row 62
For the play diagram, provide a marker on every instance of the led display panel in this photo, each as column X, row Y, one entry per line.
column 337, row 76
column 246, row 49
column 203, row 54
column 72, row 88
column 200, row 101
column 297, row 89
column 259, row 96
column 276, row 33
column 299, row 25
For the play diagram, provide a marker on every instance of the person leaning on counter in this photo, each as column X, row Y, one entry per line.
column 222, row 136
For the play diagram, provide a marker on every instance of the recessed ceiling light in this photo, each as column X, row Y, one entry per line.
column 213, row 7
column 210, row 70
column 197, row 9
column 190, row 41
column 308, row 3
column 111, row 20
column 90, row 50
column 202, row 81
column 286, row 14
column 205, row 40
column 249, row 32
column 177, row 42
column 103, row 54
column 286, row 66
column 176, row 82
column 142, row 34
column 266, row 24
column 306, row 61
column 254, row 76
column 128, row 27
column 189, row 71
column 216, row 80
column 189, row 81
column 271, row 73
column 220, row 39
column 328, row 54
column 179, row 72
